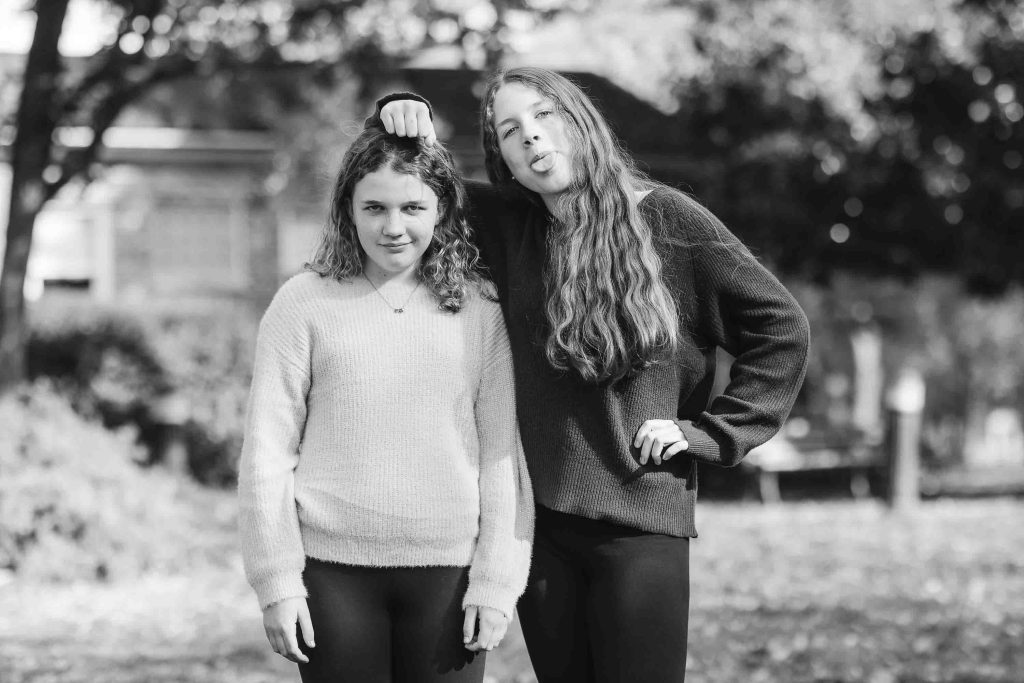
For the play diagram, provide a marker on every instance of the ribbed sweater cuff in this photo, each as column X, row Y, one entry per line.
column 278, row 587
column 701, row 446
column 493, row 595
column 403, row 96
column 373, row 120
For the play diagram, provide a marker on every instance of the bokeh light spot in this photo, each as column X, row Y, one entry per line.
column 1004, row 93
column 953, row 214
column 130, row 43
column 979, row 111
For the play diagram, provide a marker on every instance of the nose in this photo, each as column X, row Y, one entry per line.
column 392, row 224
column 530, row 133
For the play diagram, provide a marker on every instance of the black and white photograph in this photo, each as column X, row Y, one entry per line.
column 511, row 341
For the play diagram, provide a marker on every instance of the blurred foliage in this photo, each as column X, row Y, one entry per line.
column 207, row 353
column 883, row 137
column 172, row 372
column 103, row 363
column 875, row 137
column 968, row 349
column 73, row 502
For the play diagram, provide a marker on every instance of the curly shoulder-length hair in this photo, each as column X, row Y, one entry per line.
column 451, row 262
column 608, row 310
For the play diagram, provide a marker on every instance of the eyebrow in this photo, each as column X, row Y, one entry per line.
column 367, row 202
column 538, row 103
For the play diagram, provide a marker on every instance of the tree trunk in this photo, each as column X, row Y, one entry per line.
column 30, row 155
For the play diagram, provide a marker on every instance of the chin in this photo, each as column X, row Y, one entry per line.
column 553, row 188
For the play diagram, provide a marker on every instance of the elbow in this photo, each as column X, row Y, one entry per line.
column 731, row 458
column 793, row 343
column 798, row 331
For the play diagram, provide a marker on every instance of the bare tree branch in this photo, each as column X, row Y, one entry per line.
column 103, row 116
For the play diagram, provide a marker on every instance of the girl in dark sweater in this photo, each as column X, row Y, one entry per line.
column 616, row 292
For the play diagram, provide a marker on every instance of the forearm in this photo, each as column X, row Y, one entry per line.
column 271, row 541
column 501, row 562
column 750, row 314
column 268, row 520
column 763, row 387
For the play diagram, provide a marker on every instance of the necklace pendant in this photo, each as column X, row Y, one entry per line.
column 399, row 310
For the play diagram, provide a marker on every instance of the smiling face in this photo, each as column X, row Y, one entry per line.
column 533, row 139
column 395, row 215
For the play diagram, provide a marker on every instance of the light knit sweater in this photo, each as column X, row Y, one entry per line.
column 382, row 439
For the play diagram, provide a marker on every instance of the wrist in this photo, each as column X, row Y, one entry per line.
column 281, row 601
column 495, row 610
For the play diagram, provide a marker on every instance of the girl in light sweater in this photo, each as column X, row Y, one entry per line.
column 386, row 516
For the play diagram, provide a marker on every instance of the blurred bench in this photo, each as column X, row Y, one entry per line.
column 974, row 482
column 846, row 450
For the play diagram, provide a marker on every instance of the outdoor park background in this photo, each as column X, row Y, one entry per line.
column 870, row 152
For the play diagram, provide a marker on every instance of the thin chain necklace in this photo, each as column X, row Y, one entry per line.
column 400, row 309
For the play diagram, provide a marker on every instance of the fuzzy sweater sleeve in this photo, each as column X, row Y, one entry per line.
column 745, row 310
column 501, row 561
column 268, row 521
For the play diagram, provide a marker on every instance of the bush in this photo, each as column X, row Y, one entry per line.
column 73, row 501
column 121, row 367
column 207, row 355
column 101, row 360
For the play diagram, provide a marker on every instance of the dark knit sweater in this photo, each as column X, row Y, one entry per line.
column 578, row 436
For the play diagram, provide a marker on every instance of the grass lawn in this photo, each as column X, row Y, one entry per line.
column 842, row 591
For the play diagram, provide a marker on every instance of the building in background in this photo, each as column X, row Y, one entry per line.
column 171, row 213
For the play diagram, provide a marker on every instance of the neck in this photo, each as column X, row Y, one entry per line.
column 381, row 277
column 551, row 202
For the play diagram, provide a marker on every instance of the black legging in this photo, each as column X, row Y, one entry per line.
column 605, row 603
column 387, row 624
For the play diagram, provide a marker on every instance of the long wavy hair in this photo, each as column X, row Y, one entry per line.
column 450, row 263
column 608, row 310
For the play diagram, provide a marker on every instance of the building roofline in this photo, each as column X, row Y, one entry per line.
column 122, row 144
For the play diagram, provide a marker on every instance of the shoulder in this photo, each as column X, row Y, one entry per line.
column 310, row 284
column 481, row 189
column 682, row 220
column 670, row 203
column 486, row 198
column 294, row 298
column 482, row 307
column 482, row 299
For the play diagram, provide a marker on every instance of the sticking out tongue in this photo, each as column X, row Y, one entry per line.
column 544, row 164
